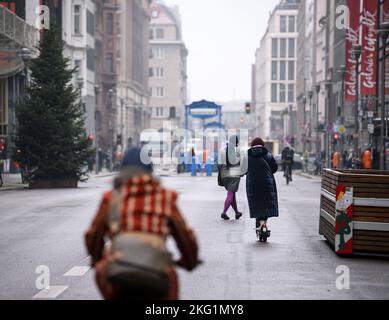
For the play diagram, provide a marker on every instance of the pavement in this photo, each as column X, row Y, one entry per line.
column 41, row 231
column 12, row 181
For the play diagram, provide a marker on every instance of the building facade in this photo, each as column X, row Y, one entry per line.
column 168, row 66
column 15, row 17
column 78, row 34
column 275, row 81
column 132, row 62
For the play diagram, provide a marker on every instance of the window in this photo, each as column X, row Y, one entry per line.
column 90, row 23
column 292, row 24
column 159, row 53
column 282, row 23
column 90, row 59
column 77, row 66
column 282, row 70
column 109, row 62
column 159, row 72
column 291, row 70
column 283, row 48
column 172, row 113
column 274, row 70
column 291, row 93
column 109, row 23
column 291, row 48
column 274, row 48
column 77, row 19
column 282, row 92
column 159, row 111
column 151, row 72
column 274, row 92
column 159, row 33
column 151, row 34
column 159, row 92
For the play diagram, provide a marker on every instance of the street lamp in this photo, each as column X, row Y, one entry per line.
column 317, row 87
column 97, row 128
column 110, row 117
column 310, row 96
column 384, row 34
column 342, row 72
column 357, row 50
column 305, row 122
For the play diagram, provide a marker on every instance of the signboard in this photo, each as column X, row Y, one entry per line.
column 340, row 129
column 369, row 48
column 352, row 38
column 344, row 220
column 385, row 18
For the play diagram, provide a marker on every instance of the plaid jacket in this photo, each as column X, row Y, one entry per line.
column 141, row 204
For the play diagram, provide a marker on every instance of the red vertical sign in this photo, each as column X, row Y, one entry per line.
column 369, row 48
column 385, row 18
column 352, row 38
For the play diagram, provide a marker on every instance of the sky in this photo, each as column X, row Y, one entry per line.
column 221, row 37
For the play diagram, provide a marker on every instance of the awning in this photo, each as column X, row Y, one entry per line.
column 10, row 63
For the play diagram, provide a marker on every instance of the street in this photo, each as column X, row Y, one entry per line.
column 46, row 227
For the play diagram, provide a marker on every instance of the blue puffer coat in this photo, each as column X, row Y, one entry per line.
column 261, row 186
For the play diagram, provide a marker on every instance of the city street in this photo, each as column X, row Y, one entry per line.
column 46, row 227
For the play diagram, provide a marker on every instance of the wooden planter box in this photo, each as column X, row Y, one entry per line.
column 54, row 184
column 367, row 217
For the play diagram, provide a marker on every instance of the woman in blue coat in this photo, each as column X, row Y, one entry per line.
column 261, row 186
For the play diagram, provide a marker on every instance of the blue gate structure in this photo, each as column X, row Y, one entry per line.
column 203, row 110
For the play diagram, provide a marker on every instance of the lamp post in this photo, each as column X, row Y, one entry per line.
column 310, row 96
column 97, row 129
column 342, row 72
column 305, row 122
column 110, row 117
column 317, row 87
column 384, row 34
column 357, row 50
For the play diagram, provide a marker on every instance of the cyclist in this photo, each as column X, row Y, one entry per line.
column 287, row 160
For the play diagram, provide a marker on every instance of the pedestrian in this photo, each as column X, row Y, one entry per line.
column 137, row 216
column 261, row 186
column 336, row 160
column 230, row 174
column 367, row 160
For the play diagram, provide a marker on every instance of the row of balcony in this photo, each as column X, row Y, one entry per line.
column 15, row 32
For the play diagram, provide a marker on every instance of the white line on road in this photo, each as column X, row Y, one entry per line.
column 51, row 292
column 77, row 271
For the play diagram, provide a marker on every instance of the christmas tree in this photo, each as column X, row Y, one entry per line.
column 51, row 139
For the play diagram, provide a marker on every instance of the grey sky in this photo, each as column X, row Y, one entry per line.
column 221, row 36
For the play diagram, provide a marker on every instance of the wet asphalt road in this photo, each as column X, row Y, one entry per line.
column 46, row 228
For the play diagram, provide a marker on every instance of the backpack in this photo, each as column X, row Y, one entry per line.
column 136, row 267
column 289, row 155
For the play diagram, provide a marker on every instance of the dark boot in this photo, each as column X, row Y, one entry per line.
column 225, row 217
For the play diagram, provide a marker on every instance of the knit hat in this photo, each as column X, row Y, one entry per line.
column 132, row 158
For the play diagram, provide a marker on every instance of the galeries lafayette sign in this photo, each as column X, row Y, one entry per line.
column 352, row 38
column 369, row 47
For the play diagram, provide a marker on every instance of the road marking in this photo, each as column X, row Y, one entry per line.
column 77, row 271
column 51, row 292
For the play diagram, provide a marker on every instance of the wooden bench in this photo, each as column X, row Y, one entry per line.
column 370, row 209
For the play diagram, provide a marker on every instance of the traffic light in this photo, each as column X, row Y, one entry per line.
column 248, row 107
column 91, row 137
column 336, row 136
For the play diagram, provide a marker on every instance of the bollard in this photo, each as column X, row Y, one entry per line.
column 194, row 169
column 209, row 169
